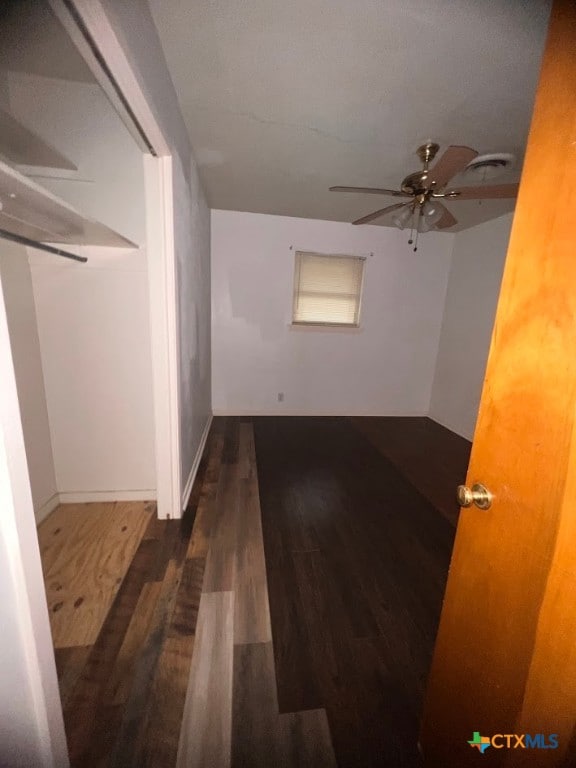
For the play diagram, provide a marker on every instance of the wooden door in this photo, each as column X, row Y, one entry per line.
column 505, row 656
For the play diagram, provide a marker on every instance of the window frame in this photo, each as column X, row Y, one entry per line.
column 296, row 292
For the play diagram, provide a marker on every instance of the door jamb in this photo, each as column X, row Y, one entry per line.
column 163, row 332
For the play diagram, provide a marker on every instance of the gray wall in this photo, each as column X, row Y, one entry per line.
column 192, row 229
column 473, row 289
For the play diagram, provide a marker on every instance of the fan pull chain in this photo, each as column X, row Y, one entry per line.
column 412, row 228
column 420, row 213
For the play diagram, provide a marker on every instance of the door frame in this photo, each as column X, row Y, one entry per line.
column 162, row 291
column 93, row 34
column 23, row 583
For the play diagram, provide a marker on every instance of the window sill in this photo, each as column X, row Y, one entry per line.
column 330, row 327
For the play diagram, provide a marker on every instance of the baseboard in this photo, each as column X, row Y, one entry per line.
column 452, row 428
column 244, row 412
column 48, row 506
column 83, row 497
column 195, row 464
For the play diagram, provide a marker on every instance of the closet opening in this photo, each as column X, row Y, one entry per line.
column 85, row 273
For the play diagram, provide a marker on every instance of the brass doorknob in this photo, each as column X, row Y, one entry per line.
column 478, row 495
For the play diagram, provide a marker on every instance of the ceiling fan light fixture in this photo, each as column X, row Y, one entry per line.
column 424, row 224
column 402, row 218
column 431, row 212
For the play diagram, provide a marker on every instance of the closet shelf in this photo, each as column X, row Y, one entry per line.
column 33, row 212
column 21, row 146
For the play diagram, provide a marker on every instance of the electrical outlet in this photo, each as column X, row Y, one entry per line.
column 280, row 397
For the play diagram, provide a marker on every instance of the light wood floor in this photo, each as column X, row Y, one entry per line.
column 86, row 550
column 123, row 690
column 167, row 649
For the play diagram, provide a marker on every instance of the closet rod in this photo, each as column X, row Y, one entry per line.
column 41, row 246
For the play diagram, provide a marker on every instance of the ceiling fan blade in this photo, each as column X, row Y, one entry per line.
column 447, row 219
column 377, row 214
column 371, row 191
column 454, row 160
column 496, row 191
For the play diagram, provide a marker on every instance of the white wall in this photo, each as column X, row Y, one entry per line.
column 93, row 319
column 473, row 289
column 135, row 29
column 95, row 342
column 25, row 346
column 384, row 368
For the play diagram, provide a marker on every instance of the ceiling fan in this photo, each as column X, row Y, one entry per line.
column 427, row 187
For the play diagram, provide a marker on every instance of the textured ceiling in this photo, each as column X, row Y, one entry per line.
column 285, row 99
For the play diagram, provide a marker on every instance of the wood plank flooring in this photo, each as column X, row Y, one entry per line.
column 124, row 656
column 287, row 620
column 357, row 561
column 432, row 458
column 231, row 717
column 81, row 582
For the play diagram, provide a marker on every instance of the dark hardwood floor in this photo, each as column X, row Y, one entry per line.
column 432, row 458
column 357, row 561
column 295, row 605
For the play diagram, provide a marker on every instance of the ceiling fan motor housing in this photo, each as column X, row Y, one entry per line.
column 415, row 183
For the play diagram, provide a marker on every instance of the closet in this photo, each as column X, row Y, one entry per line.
column 74, row 277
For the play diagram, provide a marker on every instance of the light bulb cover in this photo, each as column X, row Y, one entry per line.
column 424, row 224
column 402, row 217
column 432, row 212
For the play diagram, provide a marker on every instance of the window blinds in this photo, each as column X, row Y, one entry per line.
column 327, row 289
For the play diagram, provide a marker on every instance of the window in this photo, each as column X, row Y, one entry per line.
column 327, row 289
